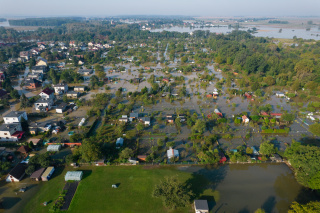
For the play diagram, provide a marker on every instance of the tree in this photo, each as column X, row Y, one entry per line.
column 140, row 127
column 178, row 123
column 267, row 148
column 255, row 86
column 288, row 117
column 90, row 150
column 199, row 127
column 311, row 207
column 31, row 168
column 126, row 153
column 249, row 151
column 315, row 129
column 160, row 142
column 65, row 98
column 24, row 102
column 173, row 193
column 156, row 127
column 14, row 94
column 260, row 211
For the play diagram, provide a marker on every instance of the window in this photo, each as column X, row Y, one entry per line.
column 5, row 133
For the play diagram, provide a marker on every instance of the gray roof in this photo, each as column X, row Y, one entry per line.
column 14, row 114
column 8, row 127
column 72, row 92
column 43, row 100
column 134, row 115
column 145, row 119
column 201, row 205
column 39, row 124
column 62, row 105
column 80, row 87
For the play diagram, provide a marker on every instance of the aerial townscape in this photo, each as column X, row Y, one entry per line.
column 159, row 113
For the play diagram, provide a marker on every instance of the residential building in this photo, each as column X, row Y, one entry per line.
column 32, row 84
column 37, row 174
column 11, row 132
column 79, row 88
column 124, row 118
column 44, row 104
column 17, row 173
column 61, row 108
column 60, row 88
column 37, row 76
column 201, row 206
column 146, row 120
column 73, row 94
column 42, row 62
column 47, row 93
column 172, row 153
column 39, row 127
column 15, row 117
column 25, row 54
column 85, row 71
column 38, row 69
column 245, row 119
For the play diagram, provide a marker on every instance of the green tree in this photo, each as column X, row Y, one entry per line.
column 260, row 211
column 311, row 207
column 31, row 168
column 267, row 148
column 160, row 142
column 140, row 127
column 173, row 193
column 199, row 127
column 315, row 129
column 90, row 150
column 126, row 153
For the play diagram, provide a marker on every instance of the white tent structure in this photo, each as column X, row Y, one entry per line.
column 53, row 148
column 73, row 175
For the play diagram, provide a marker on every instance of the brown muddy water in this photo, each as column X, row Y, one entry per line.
column 243, row 188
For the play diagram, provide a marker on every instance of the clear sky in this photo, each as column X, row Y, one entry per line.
column 160, row 7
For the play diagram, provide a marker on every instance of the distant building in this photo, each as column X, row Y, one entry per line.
column 44, row 105
column 15, row 117
column 17, row 173
column 201, row 206
column 47, row 94
column 172, row 153
column 119, row 142
column 11, row 132
column 60, row 88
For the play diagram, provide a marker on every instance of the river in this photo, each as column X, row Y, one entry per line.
column 247, row 187
column 263, row 31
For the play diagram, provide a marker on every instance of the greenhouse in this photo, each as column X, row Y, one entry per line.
column 73, row 175
column 53, row 148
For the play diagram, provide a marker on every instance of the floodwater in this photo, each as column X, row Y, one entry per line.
column 247, row 187
column 263, row 31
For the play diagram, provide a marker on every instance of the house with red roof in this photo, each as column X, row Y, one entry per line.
column 47, row 93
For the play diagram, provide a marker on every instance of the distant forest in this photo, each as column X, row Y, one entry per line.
column 44, row 21
column 278, row 22
column 3, row 19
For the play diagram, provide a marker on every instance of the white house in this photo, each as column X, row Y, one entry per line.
column 43, row 104
column 17, row 173
column 61, row 108
column 15, row 117
column 119, row 142
column 280, row 94
column 11, row 132
column 172, row 153
column 47, row 94
column 42, row 62
column 245, row 119
column 60, row 88
column 145, row 120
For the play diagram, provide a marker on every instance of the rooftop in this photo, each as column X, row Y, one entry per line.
column 14, row 114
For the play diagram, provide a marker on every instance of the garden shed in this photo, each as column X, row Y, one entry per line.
column 53, row 148
column 73, row 175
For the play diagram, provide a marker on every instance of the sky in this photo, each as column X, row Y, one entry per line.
column 104, row 8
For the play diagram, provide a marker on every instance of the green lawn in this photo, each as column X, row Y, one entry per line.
column 95, row 193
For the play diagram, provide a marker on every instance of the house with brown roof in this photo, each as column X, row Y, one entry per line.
column 32, row 84
column 17, row 173
column 37, row 174
column 47, row 93
column 23, row 149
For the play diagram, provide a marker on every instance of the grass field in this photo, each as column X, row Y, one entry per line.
column 95, row 193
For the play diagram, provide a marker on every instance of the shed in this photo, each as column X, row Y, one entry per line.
column 53, row 148
column 73, row 175
column 47, row 174
column 133, row 160
column 37, row 174
column 119, row 142
column 23, row 149
column 201, row 206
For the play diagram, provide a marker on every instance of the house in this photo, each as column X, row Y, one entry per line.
column 276, row 115
column 209, row 96
column 254, row 151
column 133, row 116
column 215, row 92
column 38, row 69
column 133, row 160
column 37, row 76
column 61, row 108
column 23, row 149
column 47, row 174
column 72, row 44
column 280, row 95
column 42, row 62
column 17, row 173
column 47, row 93
column 73, row 94
column 222, row 157
column 276, row 157
column 170, row 118
column 32, row 83
column 60, row 88
column 262, row 113
column 119, row 142
column 43, row 104
column 36, row 127
column 15, row 117
column 35, row 141
column 99, row 162
column 124, row 118
column 172, row 153
column 142, row 157
column 25, row 54
column 245, row 119
column 145, row 120
column 201, row 206
column 79, row 88
column 85, row 71
column 11, row 132
column 13, row 60
column 218, row 112
column 248, row 96
column 166, row 80
column 37, row 174
column 73, row 176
